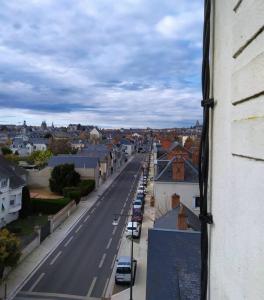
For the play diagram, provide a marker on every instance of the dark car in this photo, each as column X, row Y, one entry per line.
column 137, row 215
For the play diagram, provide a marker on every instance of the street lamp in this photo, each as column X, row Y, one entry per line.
column 115, row 223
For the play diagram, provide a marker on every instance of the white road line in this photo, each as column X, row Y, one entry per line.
column 109, row 243
column 102, row 261
column 54, row 259
column 93, row 211
column 98, row 203
column 78, row 228
column 114, row 231
column 124, row 205
column 122, row 211
column 68, row 242
column 91, row 287
column 113, row 262
column 36, row 282
column 105, row 287
column 86, row 218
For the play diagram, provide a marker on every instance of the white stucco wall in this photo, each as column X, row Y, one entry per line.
column 236, row 239
column 164, row 190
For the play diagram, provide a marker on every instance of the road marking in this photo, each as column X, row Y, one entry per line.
column 98, row 203
column 78, row 228
column 54, row 259
column 105, row 287
column 124, row 205
column 91, row 287
column 36, row 282
column 93, row 210
column 68, row 242
column 113, row 262
column 114, row 230
column 122, row 211
column 49, row 295
column 119, row 243
column 86, row 218
column 102, row 261
column 109, row 243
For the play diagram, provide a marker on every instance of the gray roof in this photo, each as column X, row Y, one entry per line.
column 39, row 141
column 78, row 161
column 173, row 269
column 13, row 172
column 164, row 171
column 170, row 219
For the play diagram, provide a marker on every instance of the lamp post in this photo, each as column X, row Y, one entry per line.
column 115, row 223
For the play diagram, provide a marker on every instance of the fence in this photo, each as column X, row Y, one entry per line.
column 56, row 220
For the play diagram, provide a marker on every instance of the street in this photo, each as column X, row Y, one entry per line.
column 82, row 264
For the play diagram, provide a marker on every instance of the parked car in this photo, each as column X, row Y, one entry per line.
column 135, row 227
column 137, row 215
column 124, row 270
column 137, row 204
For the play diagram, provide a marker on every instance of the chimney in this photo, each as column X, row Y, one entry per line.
column 178, row 169
column 175, row 201
column 195, row 157
column 182, row 219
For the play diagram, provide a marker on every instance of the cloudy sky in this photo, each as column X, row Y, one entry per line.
column 111, row 63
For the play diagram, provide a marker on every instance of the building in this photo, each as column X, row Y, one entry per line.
column 173, row 264
column 87, row 167
column 95, row 136
column 12, row 181
column 236, row 139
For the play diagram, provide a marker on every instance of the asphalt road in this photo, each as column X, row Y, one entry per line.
column 82, row 264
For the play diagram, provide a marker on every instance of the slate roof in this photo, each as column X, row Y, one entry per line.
column 170, row 219
column 78, row 161
column 164, row 171
column 13, row 172
column 173, row 269
column 39, row 141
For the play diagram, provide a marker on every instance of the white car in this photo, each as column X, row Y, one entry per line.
column 137, row 204
column 133, row 227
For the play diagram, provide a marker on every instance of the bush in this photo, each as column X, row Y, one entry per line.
column 49, row 206
column 86, row 187
column 73, row 193
column 26, row 209
column 63, row 176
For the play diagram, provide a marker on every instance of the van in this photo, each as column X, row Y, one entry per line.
column 123, row 270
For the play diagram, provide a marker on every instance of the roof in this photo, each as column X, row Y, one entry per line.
column 170, row 219
column 164, row 171
column 173, row 269
column 39, row 141
column 78, row 161
column 13, row 172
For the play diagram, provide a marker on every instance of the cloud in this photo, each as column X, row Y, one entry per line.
column 111, row 63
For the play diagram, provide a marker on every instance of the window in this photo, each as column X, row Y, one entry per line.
column 196, row 202
column 3, row 183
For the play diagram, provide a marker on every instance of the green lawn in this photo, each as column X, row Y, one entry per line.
column 22, row 227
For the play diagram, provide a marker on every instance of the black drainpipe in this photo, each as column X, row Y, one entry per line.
column 207, row 103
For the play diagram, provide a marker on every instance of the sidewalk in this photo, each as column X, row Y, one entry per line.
column 140, row 254
column 30, row 264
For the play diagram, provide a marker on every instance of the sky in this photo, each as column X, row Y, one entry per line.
column 110, row 63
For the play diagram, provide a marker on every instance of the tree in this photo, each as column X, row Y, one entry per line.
column 63, row 176
column 9, row 250
column 6, row 150
column 39, row 157
column 26, row 209
column 61, row 146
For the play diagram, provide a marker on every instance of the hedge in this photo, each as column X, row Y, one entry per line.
column 76, row 192
column 49, row 206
